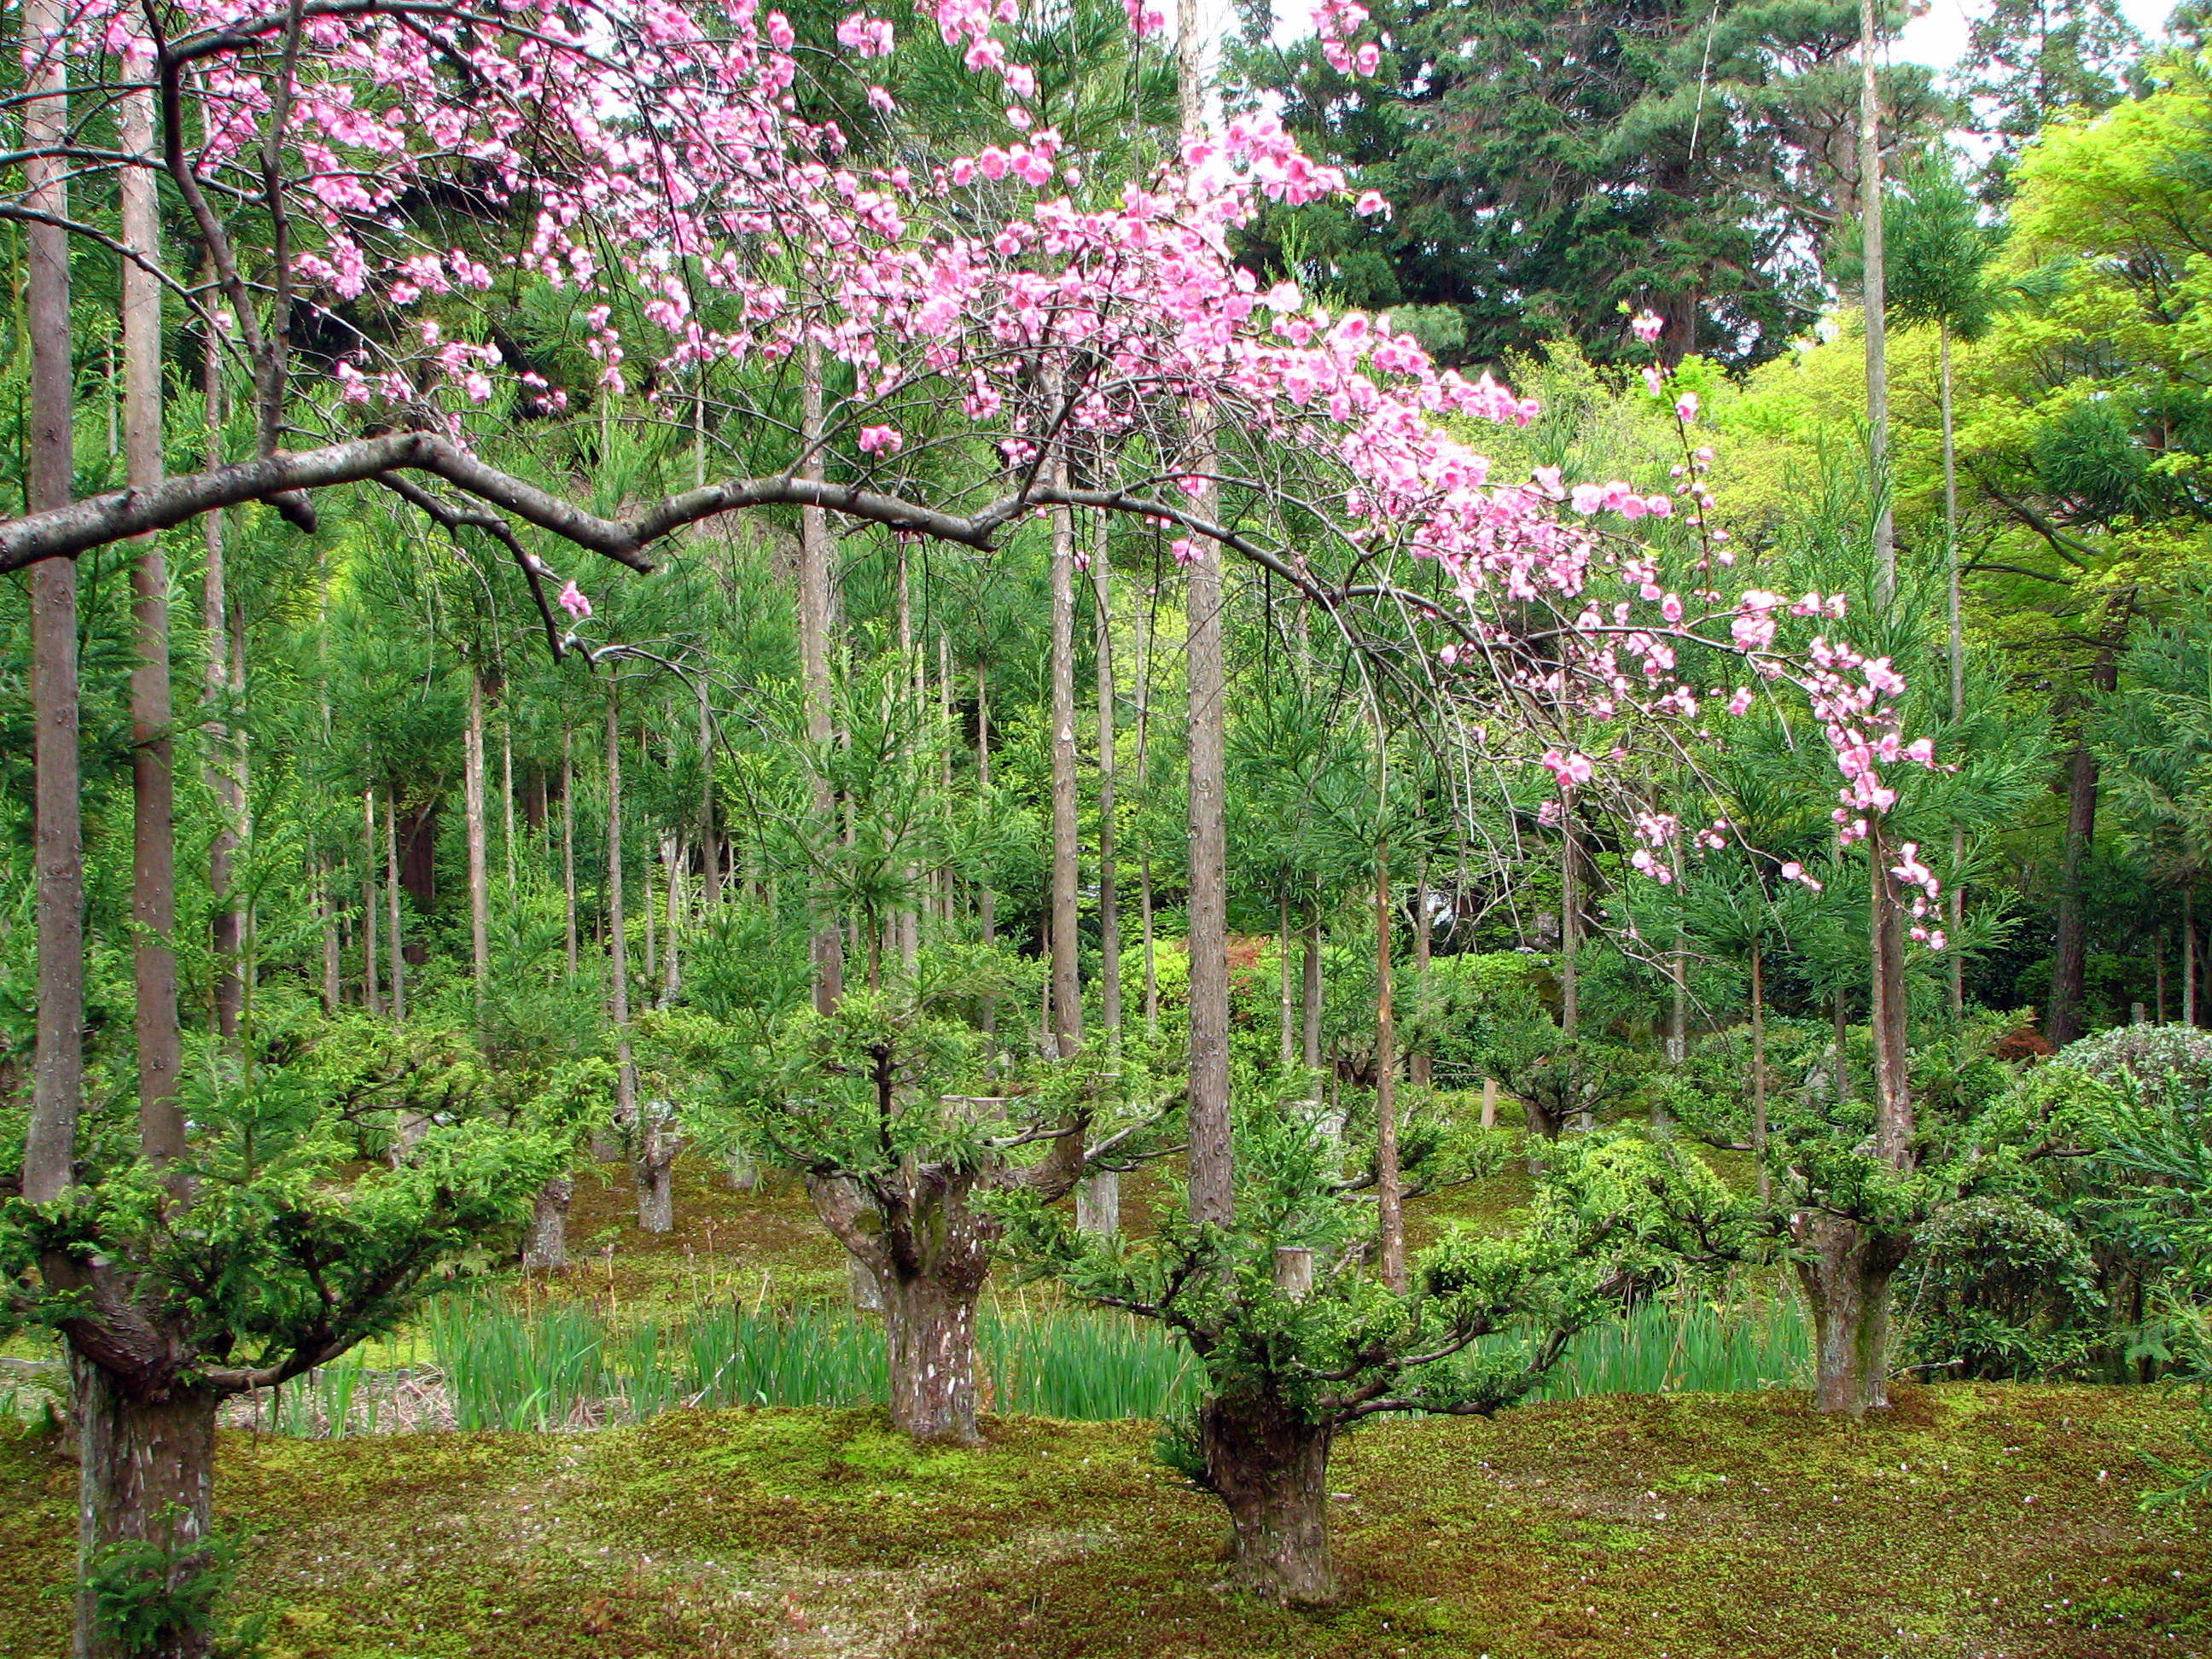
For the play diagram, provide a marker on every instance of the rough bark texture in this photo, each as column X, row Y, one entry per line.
column 1212, row 1185
column 1389, row 1213
column 1067, row 842
column 1873, row 299
column 928, row 1251
column 1846, row 1279
column 472, row 798
column 1270, row 1469
column 653, row 1167
column 815, row 549
column 57, row 1073
column 153, row 777
column 147, row 1476
column 546, row 1249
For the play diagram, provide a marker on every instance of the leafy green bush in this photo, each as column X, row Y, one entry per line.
column 2003, row 1289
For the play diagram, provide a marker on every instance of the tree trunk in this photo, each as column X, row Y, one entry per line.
column 1956, row 644
column 1876, row 302
column 146, row 1476
column 2071, row 955
column 1212, row 1161
column 1758, row 1069
column 153, row 777
column 710, row 841
column 1066, row 1027
column 568, row 845
column 1420, row 1061
column 1287, row 1036
column 1390, row 1216
column 1887, row 1010
column 1269, row 1467
column 672, row 961
column 653, row 1167
column 1570, row 928
column 371, row 998
column 815, row 550
column 1212, row 1177
column 929, row 1324
column 220, row 764
column 546, row 1249
column 1312, row 989
column 1098, row 1199
column 395, row 938
column 1847, row 1272
column 58, row 835
column 2188, row 1012
column 472, row 795
column 1846, row 1279
column 1110, row 894
column 418, row 866
column 617, row 941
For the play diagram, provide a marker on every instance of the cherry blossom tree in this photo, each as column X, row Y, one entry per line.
column 941, row 345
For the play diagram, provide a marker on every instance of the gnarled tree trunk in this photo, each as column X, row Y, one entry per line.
column 928, row 1252
column 1269, row 1467
column 1846, row 1279
column 546, row 1249
column 653, row 1166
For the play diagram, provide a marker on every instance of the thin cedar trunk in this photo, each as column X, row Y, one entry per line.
column 1875, row 301
column 1109, row 896
column 1758, row 1068
column 221, row 765
column 153, row 777
column 1389, row 1212
column 1848, row 1263
column 1066, row 1026
column 372, row 998
column 1312, row 988
column 1213, row 1191
column 907, row 923
column 395, row 936
column 2189, row 999
column 814, row 602
column 1098, row 1199
column 710, row 844
column 1419, row 1062
column 472, row 794
column 617, row 941
column 987, row 901
column 58, row 836
column 1286, row 1014
column 1956, row 642
column 1148, row 958
column 506, row 794
column 652, row 931
column 2070, row 958
column 671, row 964
column 568, row 845
column 1570, row 928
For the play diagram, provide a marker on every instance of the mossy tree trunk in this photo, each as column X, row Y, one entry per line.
column 1846, row 1278
column 1269, row 1466
column 928, row 1251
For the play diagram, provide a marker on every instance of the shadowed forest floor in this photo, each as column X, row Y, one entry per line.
column 1985, row 1523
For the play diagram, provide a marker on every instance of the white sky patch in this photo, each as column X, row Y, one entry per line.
column 1937, row 37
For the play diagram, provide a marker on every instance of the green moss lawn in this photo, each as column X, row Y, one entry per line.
column 1982, row 1522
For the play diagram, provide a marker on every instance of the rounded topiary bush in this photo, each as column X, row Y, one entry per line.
column 2145, row 1055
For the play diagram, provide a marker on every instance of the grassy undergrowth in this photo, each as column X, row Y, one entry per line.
column 1972, row 1521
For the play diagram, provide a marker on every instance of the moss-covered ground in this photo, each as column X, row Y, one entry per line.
column 1974, row 1522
